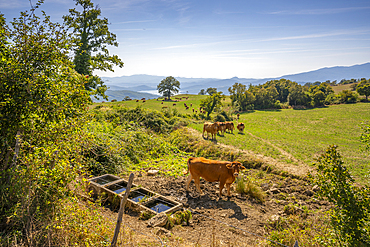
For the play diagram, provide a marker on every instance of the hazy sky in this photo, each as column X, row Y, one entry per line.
column 223, row 39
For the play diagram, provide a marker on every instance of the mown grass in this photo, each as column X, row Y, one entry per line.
column 305, row 134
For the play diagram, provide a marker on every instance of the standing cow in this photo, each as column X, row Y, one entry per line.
column 210, row 128
column 224, row 172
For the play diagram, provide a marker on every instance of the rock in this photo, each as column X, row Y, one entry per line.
column 160, row 219
column 162, row 231
column 316, row 188
column 274, row 191
column 275, row 217
column 152, row 172
column 309, row 192
column 265, row 186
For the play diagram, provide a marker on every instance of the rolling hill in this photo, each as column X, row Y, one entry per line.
column 147, row 83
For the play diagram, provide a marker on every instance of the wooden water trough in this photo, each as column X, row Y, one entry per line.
column 112, row 188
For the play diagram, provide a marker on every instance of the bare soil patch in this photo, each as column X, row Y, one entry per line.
column 229, row 215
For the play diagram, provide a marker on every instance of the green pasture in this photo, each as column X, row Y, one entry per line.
column 305, row 134
column 193, row 102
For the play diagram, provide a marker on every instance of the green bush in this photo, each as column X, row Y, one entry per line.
column 350, row 217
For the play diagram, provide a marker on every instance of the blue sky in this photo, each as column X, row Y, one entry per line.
column 223, row 39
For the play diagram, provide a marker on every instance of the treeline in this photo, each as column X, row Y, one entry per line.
column 277, row 94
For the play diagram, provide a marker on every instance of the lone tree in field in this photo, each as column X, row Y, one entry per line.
column 89, row 44
column 212, row 102
column 168, row 87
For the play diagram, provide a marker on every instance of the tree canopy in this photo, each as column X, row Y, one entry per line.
column 42, row 110
column 212, row 102
column 168, row 87
column 363, row 88
column 89, row 44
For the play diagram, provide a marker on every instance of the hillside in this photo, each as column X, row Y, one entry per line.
column 194, row 85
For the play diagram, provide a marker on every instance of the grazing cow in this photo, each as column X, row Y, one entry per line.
column 137, row 100
column 221, row 127
column 193, row 109
column 230, row 126
column 174, row 104
column 224, row 172
column 164, row 107
column 162, row 102
column 143, row 101
column 240, row 127
column 210, row 128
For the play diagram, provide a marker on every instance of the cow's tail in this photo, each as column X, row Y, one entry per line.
column 188, row 166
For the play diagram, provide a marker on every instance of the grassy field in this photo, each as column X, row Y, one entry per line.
column 305, row 134
column 302, row 133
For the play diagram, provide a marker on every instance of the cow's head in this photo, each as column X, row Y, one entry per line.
column 235, row 167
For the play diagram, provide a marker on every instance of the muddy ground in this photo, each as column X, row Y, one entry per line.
column 232, row 214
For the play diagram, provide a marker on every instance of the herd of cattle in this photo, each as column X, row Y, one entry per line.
column 222, row 127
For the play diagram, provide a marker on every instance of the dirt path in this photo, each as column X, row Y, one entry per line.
column 298, row 168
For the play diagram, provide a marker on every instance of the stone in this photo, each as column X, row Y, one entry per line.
column 160, row 220
column 316, row 188
column 274, row 191
column 265, row 186
column 162, row 231
column 309, row 193
column 152, row 172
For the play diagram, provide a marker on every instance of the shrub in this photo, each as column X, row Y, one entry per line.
column 219, row 118
column 347, row 96
column 350, row 217
column 244, row 186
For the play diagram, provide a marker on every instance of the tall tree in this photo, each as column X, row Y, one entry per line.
column 240, row 97
column 212, row 102
column 168, row 87
column 89, row 44
column 42, row 112
column 211, row 90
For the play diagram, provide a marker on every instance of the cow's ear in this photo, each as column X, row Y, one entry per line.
column 242, row 167
column 229, row 166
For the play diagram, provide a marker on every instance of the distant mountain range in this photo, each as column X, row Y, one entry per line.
column 145, row 86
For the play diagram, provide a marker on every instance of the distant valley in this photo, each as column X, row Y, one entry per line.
column 145, row 86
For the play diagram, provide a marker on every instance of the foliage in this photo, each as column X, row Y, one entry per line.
column 351, row 215
column 202, row 92
column 212, row 102
column 219, row 118
column 241, row 97
column 211, row 90
column 363, row 88
column 42, row 111
column 89, row 44
column 365, row 136
column 168, row 87
column 298, row 96
column 347, row 96
column 244, row 186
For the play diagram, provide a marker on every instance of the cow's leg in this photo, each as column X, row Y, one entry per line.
column 228, row 189
column 222, row 183
column 197, row 184
column 188, row 182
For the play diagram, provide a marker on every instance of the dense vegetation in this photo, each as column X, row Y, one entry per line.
column 283, row 93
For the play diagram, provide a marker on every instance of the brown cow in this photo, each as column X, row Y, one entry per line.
column 230, row 126
column 224, row 172
column 221, row 127
column 240, row 127
column 210, row 128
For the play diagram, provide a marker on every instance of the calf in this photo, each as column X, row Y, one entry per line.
column 240, row 127
column 224, row 172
